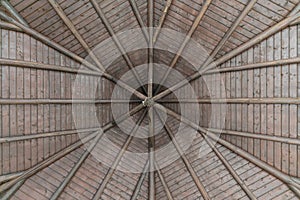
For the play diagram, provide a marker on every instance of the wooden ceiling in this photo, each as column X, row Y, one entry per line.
column 255, row 48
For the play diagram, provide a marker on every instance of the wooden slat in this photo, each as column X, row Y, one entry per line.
column 257, row 136
column 162, row 20
column 230, row 31
column 295, row 101
column 117, row 160
column 62, row 101
column 292, row 183
column 116, row 40
column 44, row 135
column 274, row 29
column 164, row 183
column 58, row 47
column 188, row 165
column 12, row 11
column 193, row 28
column 139, row 184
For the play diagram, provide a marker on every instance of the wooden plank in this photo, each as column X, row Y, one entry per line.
column 288, row 180
column 13, row 12
column 270, row 94
column 274, row 29
column 293, row 93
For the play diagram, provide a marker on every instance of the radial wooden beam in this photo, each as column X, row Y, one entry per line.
column 35, row 65
column 70, row 54
column 64, row 101
column 75, row 168
column 9, row 26
column 139, row 184
column 185, row 42
column 229, row 168
column 255, row 65
column 28, row 173
column 260, row 37
column 7, row 177
column 116, row 40
column 295, row 101
column 185, row 160
column 48, row 42
column 45, row 135
column 138, row 16
column 13, row 12
column 230, row 31
column 292, row 141
column 163, row 182
column 161, row 20
column 151, row 139
column 75, row 32
column 117, row 160
column 9, row 193
column 288, row 180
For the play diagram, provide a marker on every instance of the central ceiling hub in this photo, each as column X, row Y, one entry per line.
column 148, row 102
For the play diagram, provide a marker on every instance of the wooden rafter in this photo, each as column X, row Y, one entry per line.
column 139, row 19
column 63, row 101
column 230, row 31
column 261, row 136
column 288, row 180
column 77, row 58
column 260, row 37
column 163, row 182
column 44, row 135
column 151, row 139
column 117, row 160
column 229, row 168
column 78, row 164
column 185, row 42
column 28, row 173
column 139, row 184
column 35, row 65
column 256, row 65
column 9, row 193
column 185, row 160
column 48, row 42
column 7, row 177
column 9, row 26
column 116, row 40
column 162, row 20
column 295, row 101
column 75, row 32
column 13, row 12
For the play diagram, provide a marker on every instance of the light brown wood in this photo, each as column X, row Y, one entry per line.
column 58, row 47
column 257, row 136
column 116, row 40
column 185, row 42
column 44, row 135
column 62, row 101
column 288, row 180
column 12, row 11
column 188, row 165
column 230, row 31
column 163, row 182
column 72, row 28
column 117, row 160
column 140, row 182
column 295, row 101
column 274, row 29
column 161, row 20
